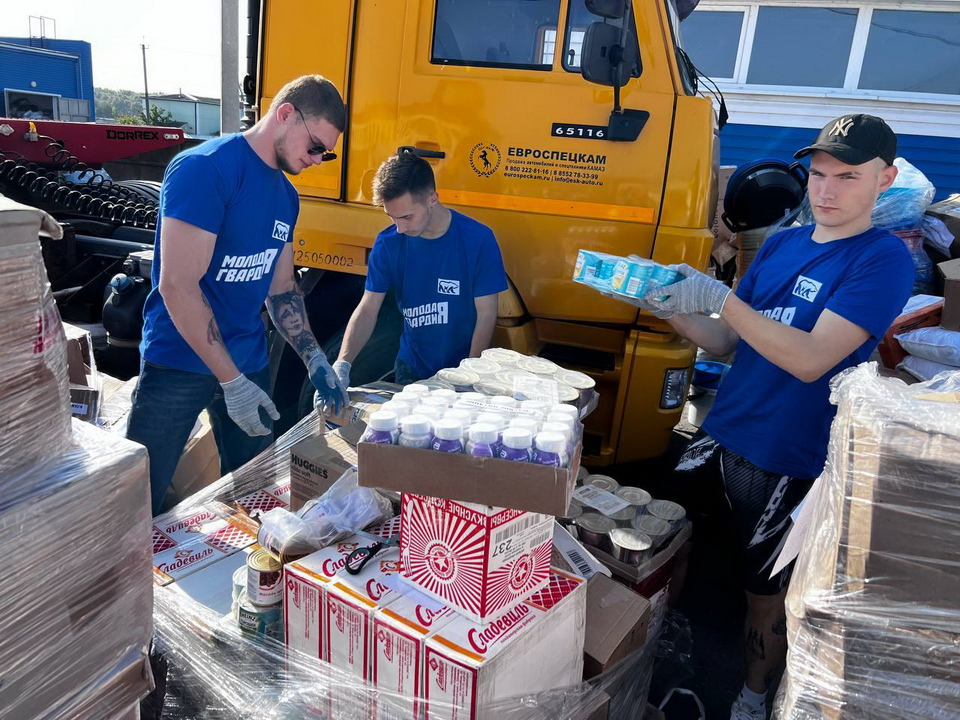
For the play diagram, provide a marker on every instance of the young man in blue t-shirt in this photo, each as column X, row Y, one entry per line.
column 223, row 247
column 816, row 300
column 445, row 269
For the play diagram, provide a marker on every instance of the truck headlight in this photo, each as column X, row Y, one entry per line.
column 674, row 388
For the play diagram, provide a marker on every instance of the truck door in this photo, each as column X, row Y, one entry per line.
column 301, row 38
column 495, row 85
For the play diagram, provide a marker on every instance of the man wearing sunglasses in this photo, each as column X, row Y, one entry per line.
column 223, row 247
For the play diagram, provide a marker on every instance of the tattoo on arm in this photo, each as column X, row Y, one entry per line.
column 290, row 318
column 213, row 330
column 755, row 644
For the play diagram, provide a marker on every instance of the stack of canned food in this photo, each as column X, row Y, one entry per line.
column 499, row 371
column 632, row 534
column 258, row 595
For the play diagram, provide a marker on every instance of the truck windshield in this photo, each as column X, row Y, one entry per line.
column 496, row 33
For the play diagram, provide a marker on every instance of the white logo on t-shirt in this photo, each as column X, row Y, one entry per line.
column 448, row 287
column 427, row 314
column 281, row 231
column 806, row 289
column 246, row 268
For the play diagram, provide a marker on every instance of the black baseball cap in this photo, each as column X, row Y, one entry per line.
column 855, row 139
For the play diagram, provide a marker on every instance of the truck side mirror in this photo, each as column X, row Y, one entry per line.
column 604, row 48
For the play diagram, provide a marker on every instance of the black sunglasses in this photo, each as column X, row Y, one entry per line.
column 318, row 148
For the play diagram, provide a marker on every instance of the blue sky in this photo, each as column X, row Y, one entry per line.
column 183, row 40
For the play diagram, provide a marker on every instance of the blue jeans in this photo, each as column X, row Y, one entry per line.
column 166, row 404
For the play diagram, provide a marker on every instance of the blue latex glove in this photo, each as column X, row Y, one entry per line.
column 696, row 293
column 331, row 396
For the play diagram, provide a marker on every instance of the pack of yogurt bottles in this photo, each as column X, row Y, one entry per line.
column 529, row 431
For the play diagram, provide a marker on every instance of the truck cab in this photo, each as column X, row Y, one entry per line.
column 529, row 133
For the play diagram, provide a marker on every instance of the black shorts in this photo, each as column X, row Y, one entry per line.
column 715, row 481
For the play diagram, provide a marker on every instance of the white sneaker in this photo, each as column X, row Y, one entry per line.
column 740, row 710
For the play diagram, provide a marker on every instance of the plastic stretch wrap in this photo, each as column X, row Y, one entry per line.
column 34, row 389
column 75, row 612
column 873, row 610
column 215, row 670
column 903, row 204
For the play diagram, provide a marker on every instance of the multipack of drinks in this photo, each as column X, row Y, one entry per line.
column 629, row 276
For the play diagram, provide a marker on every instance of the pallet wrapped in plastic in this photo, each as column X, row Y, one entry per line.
column 34, row 388
column 873, row 610
column 214, row 669
column 76, row 606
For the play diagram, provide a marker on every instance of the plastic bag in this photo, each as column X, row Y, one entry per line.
column 903, row 205
column 339, row 512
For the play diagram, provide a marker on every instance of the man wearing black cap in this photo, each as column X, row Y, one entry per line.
column 815, row 301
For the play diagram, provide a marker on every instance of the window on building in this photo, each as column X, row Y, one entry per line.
column 494, row 33
column 32, row 106
column 712, row 40
column 912, row 51
column 802, row 46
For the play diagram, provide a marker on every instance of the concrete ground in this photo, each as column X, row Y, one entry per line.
column 710, row 600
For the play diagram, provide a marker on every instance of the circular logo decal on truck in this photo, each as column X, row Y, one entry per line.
column 485, row 159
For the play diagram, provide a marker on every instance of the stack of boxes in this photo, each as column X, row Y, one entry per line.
column 466, row 610
column 75, row 615
column 873, row 611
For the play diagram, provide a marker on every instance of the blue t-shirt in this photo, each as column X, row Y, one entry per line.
column 223, row 187
column 777, row 422
column 435, row 282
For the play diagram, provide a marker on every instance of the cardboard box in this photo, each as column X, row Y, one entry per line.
column 317, row 463
column 948, row 211
column 920, row 311
column 184, row 543
column 530, row 649
column 400, row 633
column 651, row 579
column 950, row 272
column 617, row 620
column 479, row 560
column 85, row 384
column 723, row 251
column 199, row 464
column 305, row 588
column 467, row 479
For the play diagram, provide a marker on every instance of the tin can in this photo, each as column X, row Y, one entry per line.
column 264, row 584
column 637, row 497
column 630, row 546
column 656, row 528
column 537, row 365
column 594, row 529
column 239, row 583
column 460, row 378
column 568, row 395
column 669, row 511
column 602, row 482
column 480, row 366
column 623, row 518
column 264, row 620
column 503, row 356
column 573, row 512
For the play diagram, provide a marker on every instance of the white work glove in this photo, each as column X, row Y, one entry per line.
column 696, row 293
column 640, row 303
column 244, row 398
column 331, row 396
column 342, row 369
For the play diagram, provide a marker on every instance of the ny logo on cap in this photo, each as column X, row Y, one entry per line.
column 842, row 127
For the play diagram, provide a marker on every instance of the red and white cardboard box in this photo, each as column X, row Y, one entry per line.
column 184, row 544
column 479, row 560
column 400, row 632
column 305, row 582
column 535, row 646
